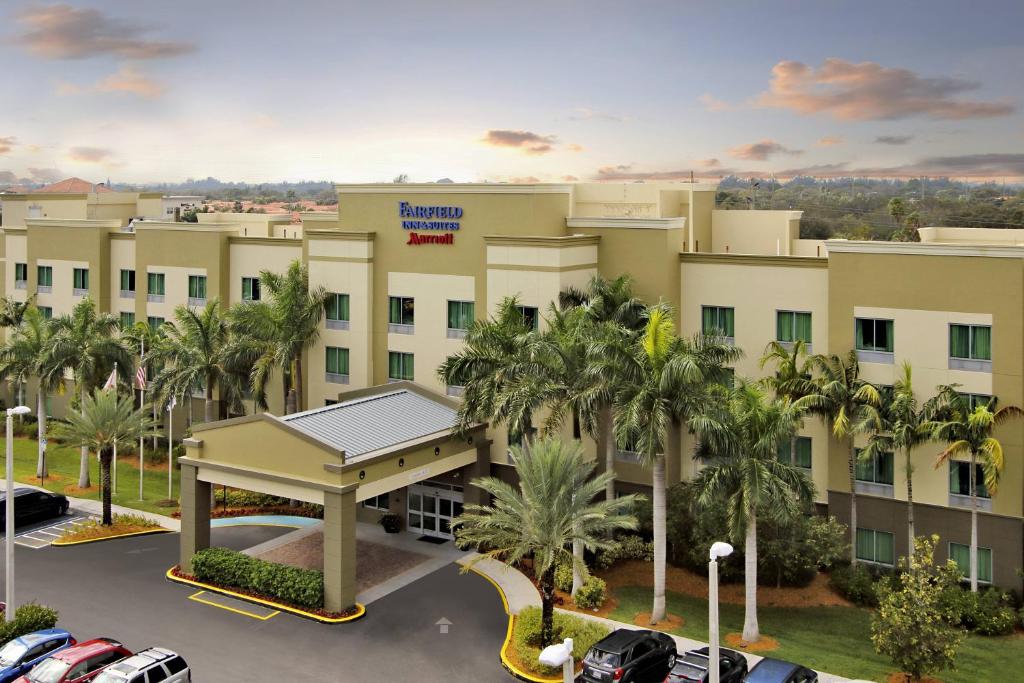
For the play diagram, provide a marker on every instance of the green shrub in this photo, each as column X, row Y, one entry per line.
column 627, row 548
column 591, row 594
column 986, row 612
column 28, row 618
column 563, row 577
column 526, row 636
column 856, row 583
column 241, row 498
column 303, row 587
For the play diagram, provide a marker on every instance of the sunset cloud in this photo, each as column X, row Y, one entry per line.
column 45, row 175
column 61, row 31
column 709, row 163
column 88, row 154
column 868, row 91
column 713, row 104
column 585, row 114
column 569, row 178
column 759, row 151
column 893, row 139
column 575, row 148
column 129, row 80
column 524, row 140
column 6, row 144
column 830, row 141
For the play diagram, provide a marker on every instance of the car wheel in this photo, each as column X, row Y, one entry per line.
column 64, row 508
column 671, row 661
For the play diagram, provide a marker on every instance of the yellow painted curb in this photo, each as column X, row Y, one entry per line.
column 211, row 603
column 360, row 609
column 505, row 661
column 108, row 538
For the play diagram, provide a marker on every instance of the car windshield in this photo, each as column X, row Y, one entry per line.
column 49, row 671
column 602, row 658
column 685, row 671
column 12, row 652
column 109, row 676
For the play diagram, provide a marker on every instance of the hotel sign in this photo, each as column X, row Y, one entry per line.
column 436, row 219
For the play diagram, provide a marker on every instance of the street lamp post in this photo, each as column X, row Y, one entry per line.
column 560, row 654
column 718, row 550
column 9, row 512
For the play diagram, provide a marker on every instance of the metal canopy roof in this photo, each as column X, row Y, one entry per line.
column 371, row 423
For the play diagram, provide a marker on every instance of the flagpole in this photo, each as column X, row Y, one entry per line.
column 170, row 448
column 114, row 471
column 142, row 404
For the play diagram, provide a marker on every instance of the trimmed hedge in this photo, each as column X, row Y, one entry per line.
column 526, row 637
column 627, row 548
column 302, row 587
column 563, row 577
column 28, row 618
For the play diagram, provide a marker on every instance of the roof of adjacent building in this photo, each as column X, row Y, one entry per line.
column 371, row 423
column 72, row 186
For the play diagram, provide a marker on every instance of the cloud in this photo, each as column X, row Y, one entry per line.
column 524, row 180
column 530, row 143
column 45, row 175
column 90, row 155
column 965, row 165
column 6, row 144
column 569, row 178
column 575, row 148
column 712, row 103
column 61, row 31
column 893, row 139
column 709, row 163
column 585, row 114
column 868, row 91
column 8, row 178
column 829, row 141
column 760, row 151
column 129, row 80
column 625, row 173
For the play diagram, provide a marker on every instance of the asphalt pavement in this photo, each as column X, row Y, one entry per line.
column 118, row 589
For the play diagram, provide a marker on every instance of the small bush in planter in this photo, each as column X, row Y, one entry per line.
column 591, row 594
column 391, row 522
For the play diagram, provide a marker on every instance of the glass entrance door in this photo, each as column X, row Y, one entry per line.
column 432, row 505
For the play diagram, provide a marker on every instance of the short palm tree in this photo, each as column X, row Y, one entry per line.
column 741, row 450
column 275, row 334
column 553, row 506
column 12, row 312
column 87, row 344
column 792, row 370
column 849, row 406
column 102, row 420
column 970, row 432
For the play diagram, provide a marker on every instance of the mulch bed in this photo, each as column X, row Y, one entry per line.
column 220, row 512
column 900, row 677
column 764, row 644
column 670, row 623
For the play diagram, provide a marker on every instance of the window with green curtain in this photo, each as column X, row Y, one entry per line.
column 959, row 341
column 960, row 479
column 154, row 322
column 961, row 554
column 803, row 452
column 337, row 307
column 791, row 326
column 127, row 280
column 460, row 314
column 401, row 310
column 47, row 312
column 981, row 342
column 970, row 342
column 250, row 289
column 197, row 286
column 155, row 283
column 127, row 320
column 531, row 316
column 80, row 278
column 337, row 360
column 21, row 272
column 874, row 335
column 718, row 319
column 876, row 546
column 45, row 276
column 865, row 544
column 878, row 469
column 400, row 365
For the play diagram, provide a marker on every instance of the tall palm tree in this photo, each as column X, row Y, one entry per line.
column 903, row 426
column 554, row 506
column 86, row 343
column 741, row 444
column 275, row 334
column 849, row 406
column 12, row 313
column 664, row 380
column 28, row 354
column 102, row 420
column 970, row 432
column 792, row 370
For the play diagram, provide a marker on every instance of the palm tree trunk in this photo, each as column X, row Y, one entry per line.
column 792, row 451
column 853, row 503
column 41, row 430
column 658, row 503
column 299, row 388
column 83, row 463
column 577, row 574
column 751, row 632
column 609, row 451
column 208, row 414
column 547, row 607
column 106, row 455
column 910, row 505
column 974, row 527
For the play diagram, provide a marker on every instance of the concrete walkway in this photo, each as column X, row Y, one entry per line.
column 95, row 507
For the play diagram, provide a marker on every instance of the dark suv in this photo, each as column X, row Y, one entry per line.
column 693, row 667
column 628, row 656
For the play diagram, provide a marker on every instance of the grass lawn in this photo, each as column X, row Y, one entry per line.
column 832, row 639
column 62, row 463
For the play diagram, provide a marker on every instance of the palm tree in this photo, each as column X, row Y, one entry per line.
column 849, row 406
column 28, row 354
column 744, row 471
column 664, row 380
column 274, row 334
column 12, row 313
column 86, row 344
column 554, row 506
column 970, row 432
column 793, row 369
column 903, row 426
column 103, row 419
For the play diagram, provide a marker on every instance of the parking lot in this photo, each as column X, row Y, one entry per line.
column 41, row 534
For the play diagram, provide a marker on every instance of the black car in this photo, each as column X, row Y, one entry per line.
column 693, row 667
column 31, row 505
column 629, row 656
column 779, row 671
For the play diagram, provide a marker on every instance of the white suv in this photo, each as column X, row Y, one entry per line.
column 148, row 666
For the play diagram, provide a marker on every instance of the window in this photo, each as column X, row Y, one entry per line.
column 250, row 289
column 460, row 315
column 718, row 320
column 155, row 322
column 641, row 649
column 400, row 366
column 974, row 400
column 336, row 310
column 175, row 665
column 401, row 310
column 531, row 316
column 127, row 284
column 76, row 671
column 876, row 546
column 47, row 312
column 127, row 320
column 155, row 284
column 970, row 347
column 791, row 326
column 960, row 479
column 156, row 674
column 877, row 469
column 45, row 276
column 961, row 554
column 337, row 364
column 80, row 280
column 20, row 275
column 377, row 502
column 803, row 452
column 874, row 335
column 197, row 288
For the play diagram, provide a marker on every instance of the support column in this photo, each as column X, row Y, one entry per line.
column 481, row 468
column 195, row 514
column 340, row 549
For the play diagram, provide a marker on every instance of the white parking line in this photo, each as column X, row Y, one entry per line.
column 44, row 536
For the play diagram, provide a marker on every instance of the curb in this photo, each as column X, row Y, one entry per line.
column 360, row 609
column 148, row 532
column 506, row 663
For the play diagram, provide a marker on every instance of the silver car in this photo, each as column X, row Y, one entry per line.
column 152, row 665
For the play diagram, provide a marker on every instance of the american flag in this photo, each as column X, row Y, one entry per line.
column 140, row 377
column 111, row 381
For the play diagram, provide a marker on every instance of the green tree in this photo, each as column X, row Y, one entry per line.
column 792, row 370
column 12, row 313
column 909, row 625
column 102, row 420
column 554, row 506
column 86, row 344
column 970, row 433
column 898, row 210
column 743, row 470
column 849, row 406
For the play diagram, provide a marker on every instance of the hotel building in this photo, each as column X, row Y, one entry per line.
column 411, row 264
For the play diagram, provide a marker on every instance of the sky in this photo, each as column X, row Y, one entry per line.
column 258, row 91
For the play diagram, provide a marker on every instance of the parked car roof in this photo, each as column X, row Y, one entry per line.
column 88, row 648
column 621, row 639
column 36, row 637
column 770, row 670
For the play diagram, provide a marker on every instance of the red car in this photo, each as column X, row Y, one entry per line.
column 78, row 663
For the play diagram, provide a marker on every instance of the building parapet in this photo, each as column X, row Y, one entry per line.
column 454, row 188
column 755, row 260
column 924, row 249
column 350, row 235
column 585, row 222
column 552, row 242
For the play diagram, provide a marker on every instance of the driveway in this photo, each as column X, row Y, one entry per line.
column 117, row 589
